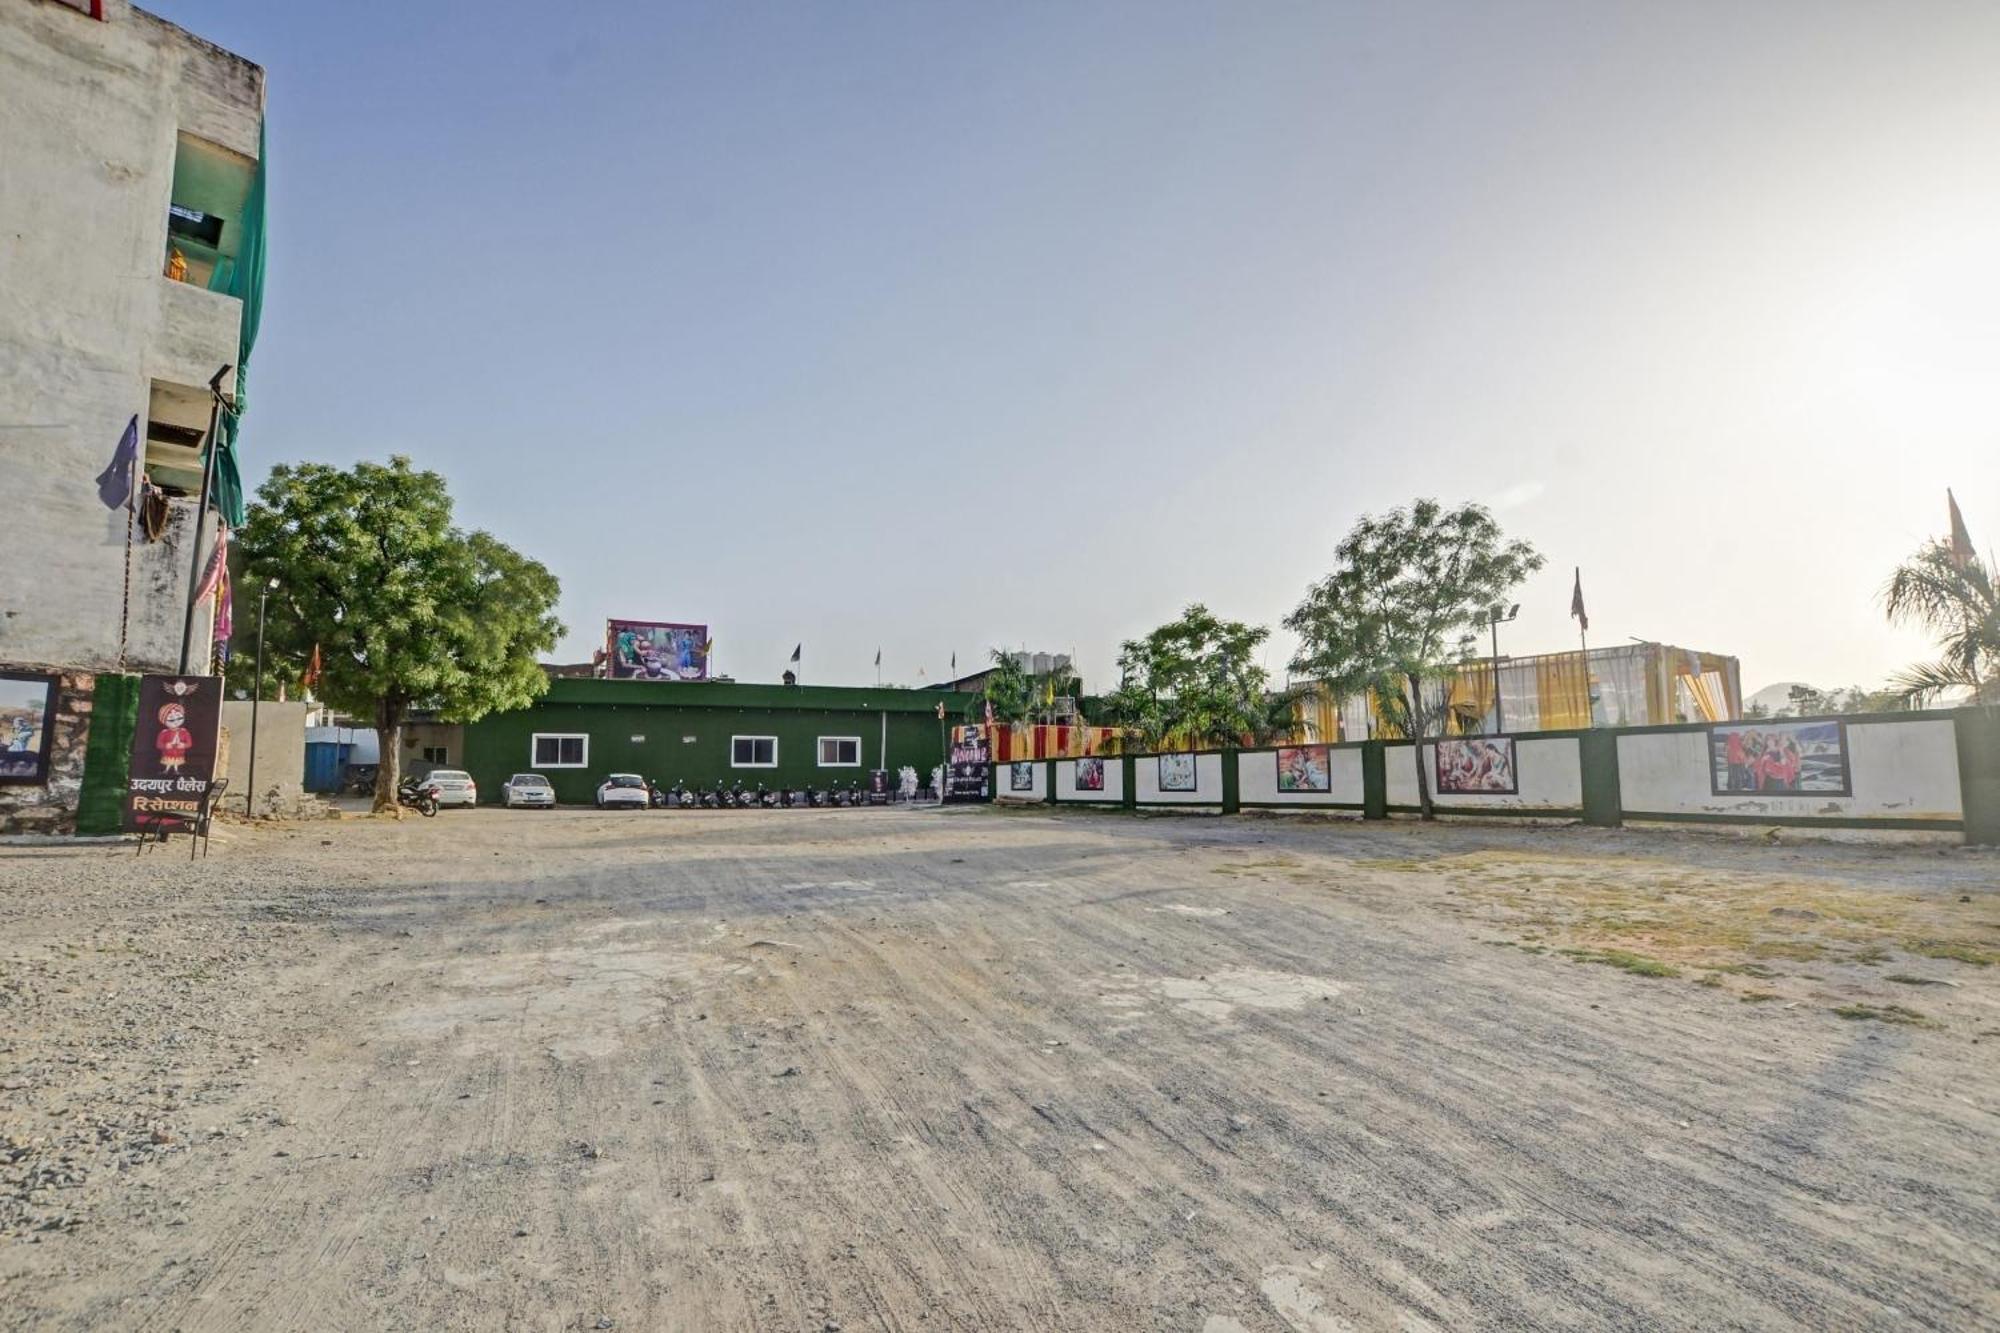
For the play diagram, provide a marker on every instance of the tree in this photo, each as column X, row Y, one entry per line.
column 1951, row 594
column 1193, row 682
column 405, row 610
column 1009, row 692
column 1401, row 606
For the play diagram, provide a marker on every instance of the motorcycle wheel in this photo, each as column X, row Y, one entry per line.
column 428, row 807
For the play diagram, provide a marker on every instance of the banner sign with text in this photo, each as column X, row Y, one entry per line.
column 173, row 751
column 970, row 775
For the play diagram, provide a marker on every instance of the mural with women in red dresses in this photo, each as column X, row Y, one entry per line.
column 1779, row 759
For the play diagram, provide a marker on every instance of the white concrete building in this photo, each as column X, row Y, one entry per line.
column 128, row 151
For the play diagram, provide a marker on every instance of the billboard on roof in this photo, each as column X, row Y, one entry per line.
column 655, row 650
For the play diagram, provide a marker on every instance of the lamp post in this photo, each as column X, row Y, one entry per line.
column 256, row 697
column 1494, row 620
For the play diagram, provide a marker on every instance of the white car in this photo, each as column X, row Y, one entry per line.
column 452, row 786
column 527, row 789
column 624, row 789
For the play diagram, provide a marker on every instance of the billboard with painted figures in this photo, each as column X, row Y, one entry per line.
column 27, row 716
column 1304, row 768
column 1477, row 766
column 1090, row 775
column 1177, row 772
column 1779, row 759
column 173, row 751
column 655, row 650
column 1021, row 776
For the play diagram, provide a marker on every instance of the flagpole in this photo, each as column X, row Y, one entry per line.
column 131, row 522
column 201, row 512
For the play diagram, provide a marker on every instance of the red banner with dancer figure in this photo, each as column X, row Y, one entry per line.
column 173, row 752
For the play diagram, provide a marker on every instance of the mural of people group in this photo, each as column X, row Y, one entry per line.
column 1779, row 758
column 653, row 650
column 1177, row 772
column 1304, row 768
column 1090, row 775
column 27, row 705
column 1476, row 766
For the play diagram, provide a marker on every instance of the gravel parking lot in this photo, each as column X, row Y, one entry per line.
column 995, row 1070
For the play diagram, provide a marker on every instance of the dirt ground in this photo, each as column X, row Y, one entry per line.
column 993, row 1070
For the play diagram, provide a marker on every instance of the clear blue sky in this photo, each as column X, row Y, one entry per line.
column 940, row 326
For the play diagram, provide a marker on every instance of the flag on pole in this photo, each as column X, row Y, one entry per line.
column 218, row 565
column 796, row 651
column 1576, row 602
column 878, row 657
column 114, row 484
column 312, row 672
column 954, row 662
column 1961, row 553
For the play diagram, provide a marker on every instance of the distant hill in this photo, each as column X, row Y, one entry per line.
column 1772, row 697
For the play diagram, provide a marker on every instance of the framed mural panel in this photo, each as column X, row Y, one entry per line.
column 1090, row 775
column 1021, row 776
column 1304, row 768
column 1779, row 759
column 1476, row 766
column 1177, row 772
column 655, row 650
column 27, row 718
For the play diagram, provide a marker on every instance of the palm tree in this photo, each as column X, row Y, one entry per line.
column 1952, row 595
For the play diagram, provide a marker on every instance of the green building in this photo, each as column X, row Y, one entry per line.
column 700, row 731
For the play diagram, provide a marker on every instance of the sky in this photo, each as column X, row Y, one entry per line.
column 935, row 327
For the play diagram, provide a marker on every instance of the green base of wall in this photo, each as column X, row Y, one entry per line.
column 1486, row 812
column 1798, row 821
column 1345, row 807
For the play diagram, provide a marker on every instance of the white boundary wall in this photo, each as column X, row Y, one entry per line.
column 1898, row 770
column 1003, row 781
column 1207, row 782
column 1257, row 780
column 1549, row 773
column 1114, row 783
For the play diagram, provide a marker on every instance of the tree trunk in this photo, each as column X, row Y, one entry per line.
column 389, row 743
column 1417, row 727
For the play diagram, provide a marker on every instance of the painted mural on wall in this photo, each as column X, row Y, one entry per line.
column 1090, row 775
column 27, row 717
column 655, row 650
column 1477, row 766
column 1177, row 772
column 1779, row 759
column 173, row 751
column 1020, row 777
column 1304, row 768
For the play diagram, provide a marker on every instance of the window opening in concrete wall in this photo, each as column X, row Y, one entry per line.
column 176, row 426
column 753, row 751
column 556, row 750
column 435, row 754
column 204, row 219
column 840, row 752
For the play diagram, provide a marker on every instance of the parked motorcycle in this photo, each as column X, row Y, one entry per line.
column 656, row 795
column 417, row 797
column 683, row 798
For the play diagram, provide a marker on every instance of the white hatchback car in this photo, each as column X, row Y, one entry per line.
column 624, row 789
column 454, row 786
column 527, row 789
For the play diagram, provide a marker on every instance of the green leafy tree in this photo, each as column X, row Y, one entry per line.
column 1400, row 609
column 1193, row 682
column 406, row 610
column 1953, row 596
column 1010, row 691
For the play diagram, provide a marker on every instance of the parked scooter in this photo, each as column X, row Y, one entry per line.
column 656, row 795
column 683, row 798
column 419, row 798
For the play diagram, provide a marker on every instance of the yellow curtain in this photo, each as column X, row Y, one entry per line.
column 1562, row 685
column 1471, row 696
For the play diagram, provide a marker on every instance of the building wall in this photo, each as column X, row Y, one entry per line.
column 1903, row 770
column 91, row 113
column 1207, row 791
column 1003, row 785
column 281, row 754
column 1257, row 780
column 1114, row 783
column 673, row 732
column 1549, row 773
column 51, row 807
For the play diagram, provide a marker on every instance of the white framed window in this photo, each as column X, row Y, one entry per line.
column 753, row 751
column 840, row 752
column 556, row 749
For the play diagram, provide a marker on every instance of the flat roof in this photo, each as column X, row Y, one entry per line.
column 739, row 694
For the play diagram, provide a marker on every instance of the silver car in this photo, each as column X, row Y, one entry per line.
column 527, row 789
column 452, row 786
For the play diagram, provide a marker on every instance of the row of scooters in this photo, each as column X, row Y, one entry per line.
column 740, row 797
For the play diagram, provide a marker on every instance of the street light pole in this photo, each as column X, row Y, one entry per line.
column 256, row 697
column 1494, row 620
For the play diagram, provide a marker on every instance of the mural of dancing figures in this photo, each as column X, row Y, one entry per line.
column 1779, row 759
column 1177, row 772
column 1477, row 766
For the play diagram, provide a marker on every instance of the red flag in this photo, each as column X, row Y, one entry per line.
column 312, row 671
column 1961, row 552
column 1576, row 602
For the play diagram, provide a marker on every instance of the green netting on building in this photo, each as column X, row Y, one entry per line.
column 107, row 755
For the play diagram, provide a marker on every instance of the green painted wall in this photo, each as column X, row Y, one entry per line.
column 611, row 713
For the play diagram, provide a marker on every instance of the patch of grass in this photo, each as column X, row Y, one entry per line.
column 1958, row 951
column 1712, row 980
column 1636, row 964
column 1869, row 956
column 1757, row 996
column 1888, row 1013
column 1798, row 951
column 1757, row 970
column 1905, row 979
